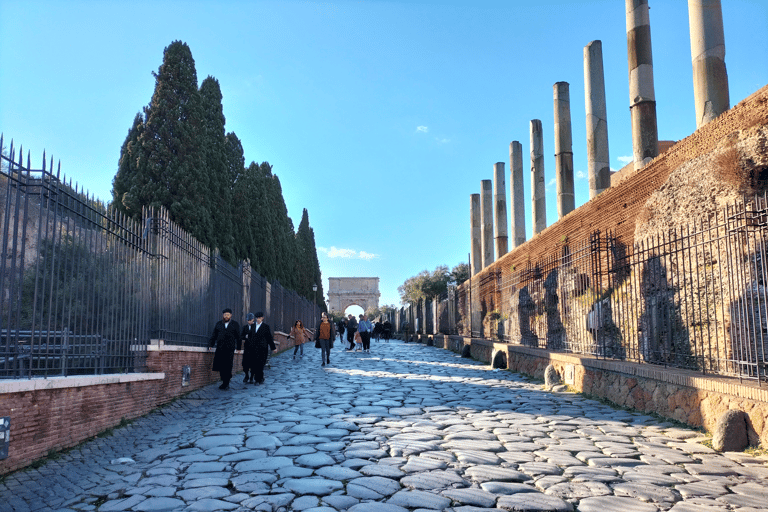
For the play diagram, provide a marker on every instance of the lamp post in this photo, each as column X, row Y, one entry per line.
column 314, row 305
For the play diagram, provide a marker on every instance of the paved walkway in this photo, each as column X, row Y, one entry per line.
column 404, row 428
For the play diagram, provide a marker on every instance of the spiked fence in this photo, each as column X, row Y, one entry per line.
column 85, row 290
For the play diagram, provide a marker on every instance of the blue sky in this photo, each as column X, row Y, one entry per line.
column 380, row 118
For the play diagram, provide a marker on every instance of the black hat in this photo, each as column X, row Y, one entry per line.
column 259, row 314
column 226, row 310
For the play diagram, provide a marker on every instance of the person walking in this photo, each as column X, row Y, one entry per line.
column 248, row 339
column 263, row 340
column 299, row 335
column 351, row 329
column 365, row 327
column 324, row 336
column 340, row 328
column 226, row 338
column 387, row 330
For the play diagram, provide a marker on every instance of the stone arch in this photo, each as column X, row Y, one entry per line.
column 344, row 292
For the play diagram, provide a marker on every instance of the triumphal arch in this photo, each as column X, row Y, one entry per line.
column 353, row 291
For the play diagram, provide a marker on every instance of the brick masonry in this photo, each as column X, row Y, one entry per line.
column 618, row 207
column 58, row 413
column 686, row 396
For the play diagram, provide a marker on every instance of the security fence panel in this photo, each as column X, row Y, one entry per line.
column 84, row 290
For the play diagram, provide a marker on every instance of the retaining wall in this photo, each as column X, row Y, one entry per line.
column 686, row 396
column 53, row 414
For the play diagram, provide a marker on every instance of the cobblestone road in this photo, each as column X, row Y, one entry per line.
column 404, row 428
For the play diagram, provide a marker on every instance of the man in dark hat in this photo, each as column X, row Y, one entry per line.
column 248, row 336
column 226, row 338
column 263, row 342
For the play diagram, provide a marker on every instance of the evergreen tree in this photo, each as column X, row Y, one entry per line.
column 214, row 147
column 170, row 169
column 130, row 152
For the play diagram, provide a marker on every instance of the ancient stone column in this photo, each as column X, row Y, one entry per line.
column 500, row 210
column 516, row 193
column 538, row 198
column 710, row 78
column 642, row 97
column 476, row 253
column 486, row 219
column 598, row 161
column 566, row 202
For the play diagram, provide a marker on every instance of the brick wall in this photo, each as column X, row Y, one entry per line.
column 58, row 413
column 617, row 208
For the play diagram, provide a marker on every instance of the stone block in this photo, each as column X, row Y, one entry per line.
column 551, row 378
column 730, row 433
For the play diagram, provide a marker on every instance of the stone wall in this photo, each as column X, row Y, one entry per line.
column 54, row 414
column 689, row 397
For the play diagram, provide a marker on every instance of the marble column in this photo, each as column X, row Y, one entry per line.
column 566, row 202
column 710, row 78
column 500, row 210
column 642, row 97
column 486, row 219
column 598, row 160
column 476, row 253
column 538, row 197
column 516, row 193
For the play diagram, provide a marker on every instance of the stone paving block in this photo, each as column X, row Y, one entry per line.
column 433, row 480
column 484, row 473
column 376, row 507
column 414, row 499
column 160, row 505
column 123, row 504
column 535, row 502
column 507, row 487
column 314, row 486
column 478, row 497
column 604, row 503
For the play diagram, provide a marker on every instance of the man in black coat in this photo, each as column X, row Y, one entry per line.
column 262, row 341
column 226, row 338
column 248, row 337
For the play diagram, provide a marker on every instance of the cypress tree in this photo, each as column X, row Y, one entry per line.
column 171, row 171
column 130, row 156
column 214, row 147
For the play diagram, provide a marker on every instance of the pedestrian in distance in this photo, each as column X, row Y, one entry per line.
column 340, row 328
column 378, row 329
column 387, row 330
column 365, row 327
column 299, row 335
column 226, row 338
column 351, row 330
column 324, row 336
column 249, row 348
column 264, row 342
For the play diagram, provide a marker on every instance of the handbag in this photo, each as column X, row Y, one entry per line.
column 317, row 344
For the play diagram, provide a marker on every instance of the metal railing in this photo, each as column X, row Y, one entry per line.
column 85, row 290
column 694, row 297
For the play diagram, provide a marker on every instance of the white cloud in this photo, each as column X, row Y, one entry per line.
column 442, row 141
column 422, row 129
column 335, row 252
column 581, row 175
column 625, row 159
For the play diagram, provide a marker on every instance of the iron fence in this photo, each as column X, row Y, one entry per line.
column 85, row 289
column 690, row 297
